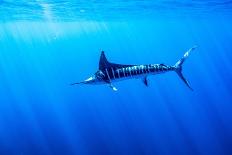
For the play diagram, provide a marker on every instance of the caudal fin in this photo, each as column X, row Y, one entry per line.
column 178, row 66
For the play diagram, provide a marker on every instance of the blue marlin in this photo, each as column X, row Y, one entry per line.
column 109, row 72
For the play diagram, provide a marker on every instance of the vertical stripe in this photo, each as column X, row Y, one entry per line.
column 113, row 72
column 126, row 73
column 107, row 73
column 130, row 71
column 136, row 71
column 154, row 68
column 142, row 69
column 123, row 70
column 148, row 68
column 118, row 70
column 145, row 68
column 157, row 68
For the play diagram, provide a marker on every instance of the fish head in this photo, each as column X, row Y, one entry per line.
column 97, row 78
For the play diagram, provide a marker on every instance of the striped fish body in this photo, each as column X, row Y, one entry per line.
column 136, row 71
column 109, row 72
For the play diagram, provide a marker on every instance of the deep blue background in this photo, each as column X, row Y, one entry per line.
column 41, row 114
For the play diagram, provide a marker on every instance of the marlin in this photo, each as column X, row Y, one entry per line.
column 110, row 72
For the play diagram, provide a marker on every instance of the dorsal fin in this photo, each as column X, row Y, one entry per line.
column 104, row 63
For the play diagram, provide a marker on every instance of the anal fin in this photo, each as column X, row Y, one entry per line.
column 145, row 81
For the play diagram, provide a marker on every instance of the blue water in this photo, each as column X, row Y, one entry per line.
column 46, row 45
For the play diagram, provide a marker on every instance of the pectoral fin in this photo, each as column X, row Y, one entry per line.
column 145, row 81
column 112, row 87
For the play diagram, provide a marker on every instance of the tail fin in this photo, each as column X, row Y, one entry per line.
column 178, row 66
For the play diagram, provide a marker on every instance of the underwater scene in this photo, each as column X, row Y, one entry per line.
column 115, row 77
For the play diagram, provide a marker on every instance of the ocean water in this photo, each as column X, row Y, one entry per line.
column 45, row 45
